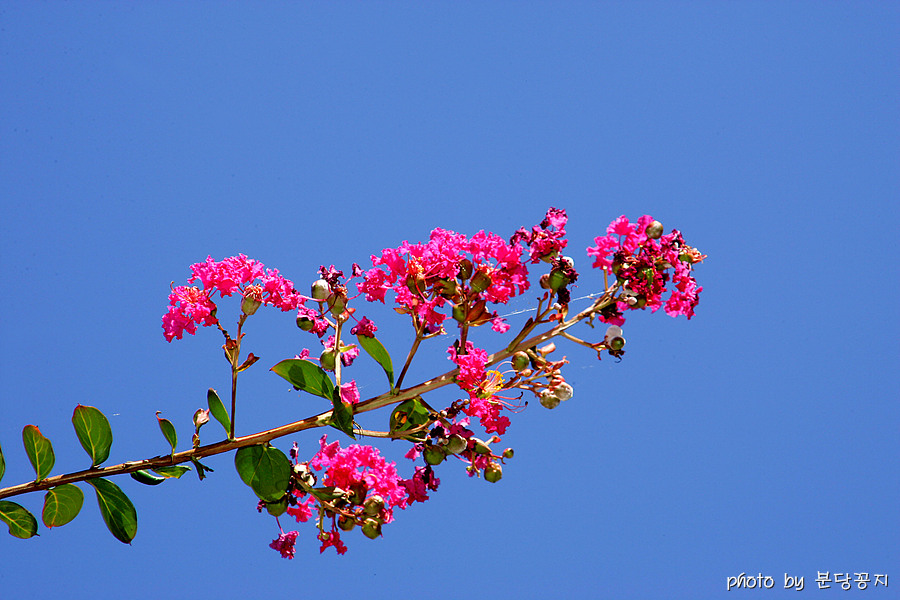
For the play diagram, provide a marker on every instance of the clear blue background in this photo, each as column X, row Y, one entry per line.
column 760, row 437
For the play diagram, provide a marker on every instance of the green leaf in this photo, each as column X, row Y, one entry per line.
column 276, row 509
column 146, row 477
column 22, row 523
column 62, row 504
column 376, row 350
column 172, row 472
column 217, row 409
column 117, row 510
column 265, row 469
column 93, row 432
column 201, row 469
column 2, row 464
column 342, row 415
column 409, row 414
column 168, row 431
column 305, row 375
column 39, row 450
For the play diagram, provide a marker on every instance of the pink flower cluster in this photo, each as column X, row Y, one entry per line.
column 192, row 305
column 449, row 266
column 349, row 467
column 471, row 377
column 643, row 263
column 543, row 242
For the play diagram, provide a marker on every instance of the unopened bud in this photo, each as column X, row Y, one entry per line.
column 520, row 361
column 563, row 391
column 320, row 290
column 372, row 528
column 465, row 269
column 613, row 331
column 249, row 305
column 545, row 281
column 547, row 349
column 456, row 444
column 434, row 455
column 557, row 280
column 549, row 399
column 327, row 359
column 616, row 343
column 508, row 453
column 480, row 281
column 374, row 505
column 346, row 523
column 337, row 303
column 305, row 323
column 654, row 230
column 481, row 447
column 493, row 472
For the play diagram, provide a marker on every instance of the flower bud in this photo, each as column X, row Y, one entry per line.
column 481, row 447
column 654, row 230
column 520, row 361
column 563, row 391
column 358, row 493
column 465, row 269
column 434, row 455
column 545, row 281
column 306, row 476
column 616, row 343
column 327, row 359
column 456, row 444
column 372, row 528
column 320, row 290
column 493, row 472
column 557, row 280
column 508, row 453
column 305, row 323
column 249, row 305
column 460, row 312
column 549, row 399
column 480, row 281
column 374, row 505
column 346, row 523
column 337, row 303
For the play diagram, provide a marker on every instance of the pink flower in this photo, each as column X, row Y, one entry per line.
column 330, row 539
column 419, row 484
column 285, row 544
column 365, row 327
column 471, row 366
column 191, row 305
column 357, row 464
column 303, row 510
column 488, row 413
column 349, row 393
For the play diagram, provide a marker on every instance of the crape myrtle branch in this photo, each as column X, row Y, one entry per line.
column 356, row 485
column 320, row 420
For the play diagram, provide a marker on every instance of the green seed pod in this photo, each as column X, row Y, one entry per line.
column 346, row 523
column 616, row 343
column 305, row 323
column 520, row 361
column 433, row 455
column 465, row 269
column 320, row 290
column 371, row 528
column 327, row 360
column 374, row 505
column 549, row 399
column 493, row 472
column 456, row 444
column 480, row 281
column 654, row 230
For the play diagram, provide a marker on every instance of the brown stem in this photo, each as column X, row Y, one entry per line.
column 319, row 420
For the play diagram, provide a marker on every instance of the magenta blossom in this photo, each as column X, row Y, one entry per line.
column 285, row 544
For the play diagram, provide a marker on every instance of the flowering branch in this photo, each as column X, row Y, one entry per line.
column 358, row 487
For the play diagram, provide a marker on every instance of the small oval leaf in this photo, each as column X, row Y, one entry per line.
column 22, row 523
column 39, row 450
column 94, row 432
column 217, row 409
column 168, row 430
column 376, row 350
column 265, row 469
column 174, row 472
column 62, row 504
column 117, row 510
column 146, row 477
column 305, row 375
column 2, row 464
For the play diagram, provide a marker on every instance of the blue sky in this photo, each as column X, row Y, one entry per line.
column 760, row 437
